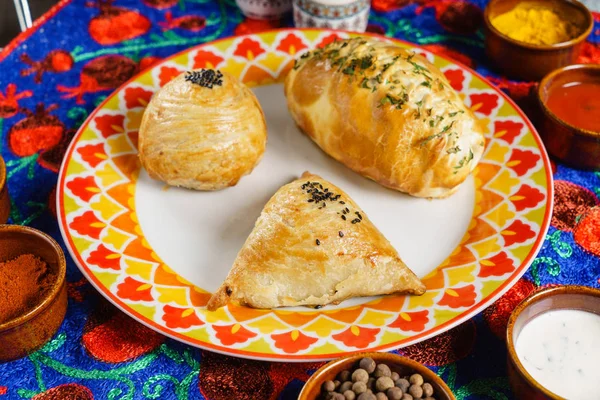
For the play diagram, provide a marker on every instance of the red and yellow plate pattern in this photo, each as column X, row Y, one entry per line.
column 96, row 204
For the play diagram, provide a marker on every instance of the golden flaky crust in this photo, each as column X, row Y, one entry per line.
column 387, row 114
column 312, row 245
column 200, row 137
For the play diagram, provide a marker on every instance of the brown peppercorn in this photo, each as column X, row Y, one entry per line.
column 345, row 386
column 384, row 383
column 382, row 370
column 394, row 393
column 406, row 396
column 381, row 396
column 415, row 391
column 337, row 383
column 360, row 375
column 403, row 384
column 395, row 376
column 349, row 395
column 367, row 396
column 368, row 364
column 344, row 376
column 427, row 389
column 416, row 379
column 328, row 386
column 359, row 387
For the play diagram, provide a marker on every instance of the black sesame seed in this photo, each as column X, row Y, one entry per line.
column 228, row 291
column 341, row 234
column 344, row 217
column 347, row 210
column 341, row 202
column 310, row 200
column 318, row 242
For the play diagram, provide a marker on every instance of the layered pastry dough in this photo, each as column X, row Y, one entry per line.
column 312, row 245
column 204, row 130
column 387, row 114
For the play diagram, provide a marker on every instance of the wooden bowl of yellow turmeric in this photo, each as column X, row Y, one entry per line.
column 528, row 39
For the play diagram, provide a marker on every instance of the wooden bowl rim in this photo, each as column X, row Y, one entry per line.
column 557, row 46
column 56, row 286
column 526, row 303
column 389, row 357
column 544, row 83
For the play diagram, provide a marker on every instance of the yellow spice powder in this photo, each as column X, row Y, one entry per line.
column 535, row 24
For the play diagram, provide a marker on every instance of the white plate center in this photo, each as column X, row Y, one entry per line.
column 198, row 234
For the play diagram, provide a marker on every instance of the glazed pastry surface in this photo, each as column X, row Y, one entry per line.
column 312, row 245
column 204, row 130
column 386, row 113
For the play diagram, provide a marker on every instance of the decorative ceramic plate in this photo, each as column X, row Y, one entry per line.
column 158, row 253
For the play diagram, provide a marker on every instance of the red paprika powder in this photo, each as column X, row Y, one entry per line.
column 24, row 282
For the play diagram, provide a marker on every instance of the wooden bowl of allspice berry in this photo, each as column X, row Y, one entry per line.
column 33, row 295
column 375, row 376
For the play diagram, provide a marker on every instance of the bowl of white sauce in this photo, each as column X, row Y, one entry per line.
column 553, row 341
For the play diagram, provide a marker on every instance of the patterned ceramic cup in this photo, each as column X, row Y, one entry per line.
column 264, row 9
column 348, row 15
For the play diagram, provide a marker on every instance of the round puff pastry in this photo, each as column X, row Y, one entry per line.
column 204, row 130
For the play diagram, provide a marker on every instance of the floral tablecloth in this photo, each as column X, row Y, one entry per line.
column 55, row 74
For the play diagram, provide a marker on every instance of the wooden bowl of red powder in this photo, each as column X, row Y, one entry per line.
column 33, row 294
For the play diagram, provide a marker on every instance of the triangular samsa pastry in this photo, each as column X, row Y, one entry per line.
column 312, row 245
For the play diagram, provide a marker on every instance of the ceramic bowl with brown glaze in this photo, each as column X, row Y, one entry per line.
column 532, row 62
column 401, row 365
column 4, row 199
column 570, row 144
column 554, row 298
column 30, row 331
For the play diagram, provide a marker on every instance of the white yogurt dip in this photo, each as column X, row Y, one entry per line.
column 561, row 350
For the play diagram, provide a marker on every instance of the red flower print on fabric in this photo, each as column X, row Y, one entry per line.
column 37, row 132
column 587, row 231
column 446, row 348
column 66, row 391
column 116, row 24
column 497, row 314
column 9, row 103
column 250, row 25
column 571, row 201
column 112, row 337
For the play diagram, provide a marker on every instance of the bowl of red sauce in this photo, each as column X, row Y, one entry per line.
column 570, row 125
